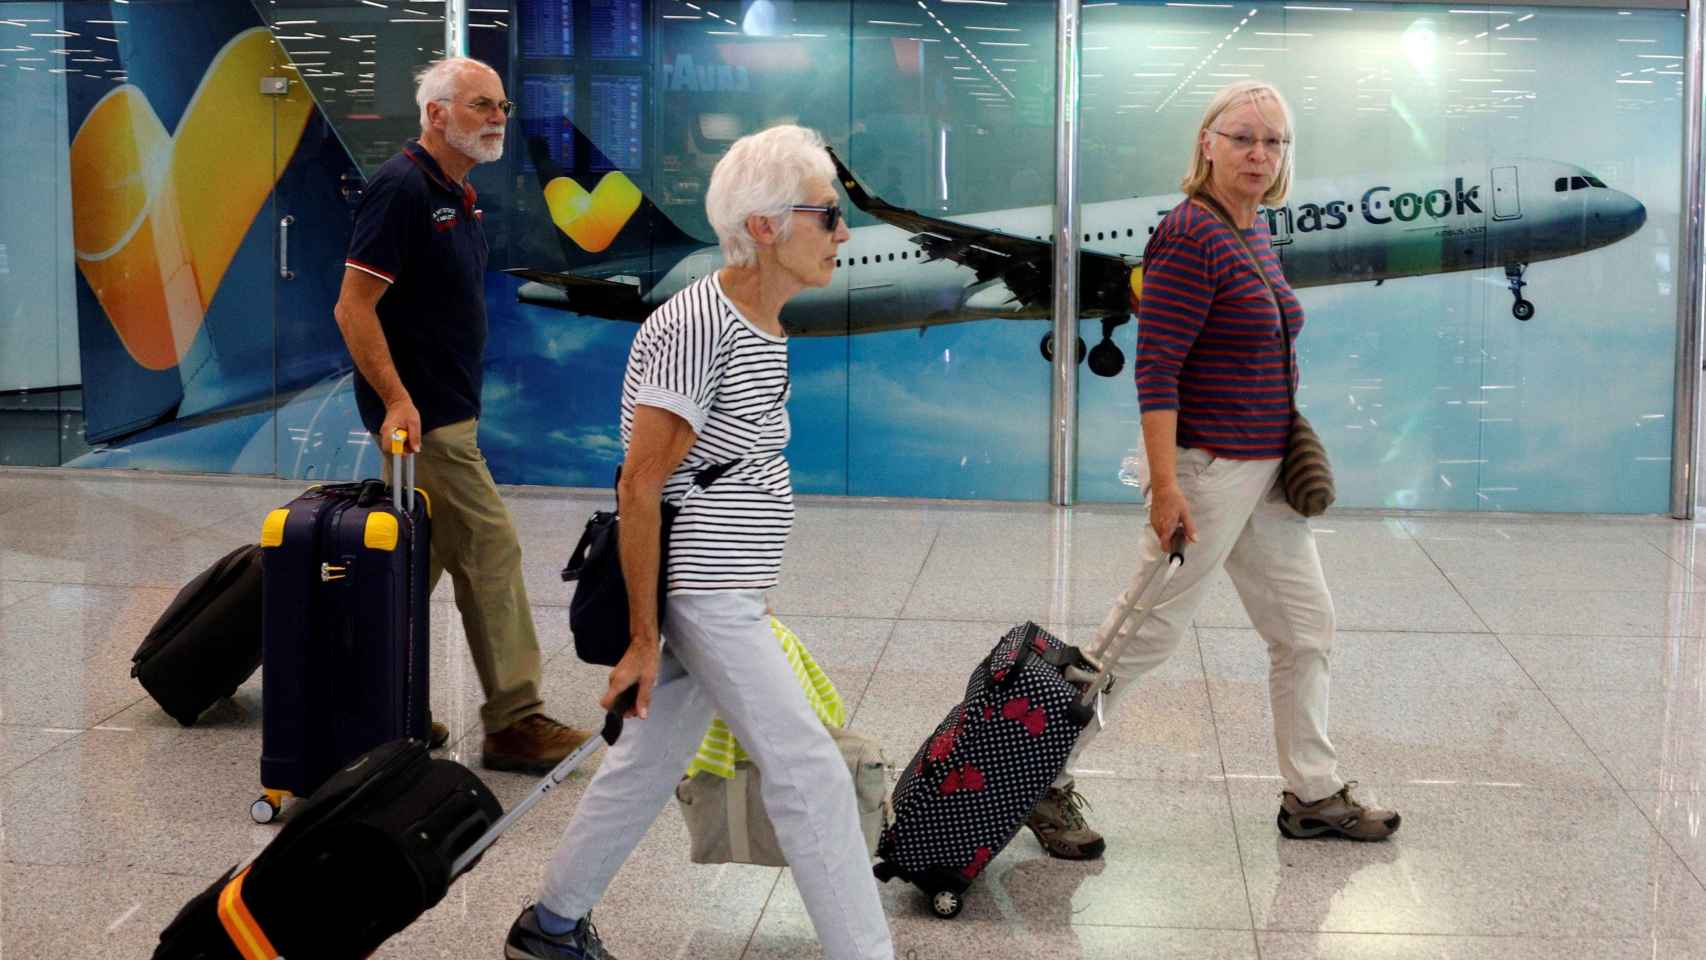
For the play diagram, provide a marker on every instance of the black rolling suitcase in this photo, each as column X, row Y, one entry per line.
column 209, row 639
column 345, row 630
column 375, row 847
column 972, row 784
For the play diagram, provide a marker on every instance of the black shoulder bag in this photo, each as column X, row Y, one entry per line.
column 1305, row 475
column 598, row 613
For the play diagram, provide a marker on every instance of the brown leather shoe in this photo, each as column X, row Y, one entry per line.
column 438, row 736
column 533, row 744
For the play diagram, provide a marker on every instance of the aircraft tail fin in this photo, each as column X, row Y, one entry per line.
column 603, row 219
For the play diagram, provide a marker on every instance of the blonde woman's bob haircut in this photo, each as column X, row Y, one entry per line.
column 763, row 174
column 1274, row 111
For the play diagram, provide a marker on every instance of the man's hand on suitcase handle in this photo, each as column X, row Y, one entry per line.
column 402, row 415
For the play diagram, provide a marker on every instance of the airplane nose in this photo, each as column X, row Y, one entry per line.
column 1617, row 216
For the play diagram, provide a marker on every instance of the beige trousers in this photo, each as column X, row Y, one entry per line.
column 474, row 541
column 1244, row 524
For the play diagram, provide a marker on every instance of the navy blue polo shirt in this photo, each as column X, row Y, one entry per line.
column 420, row 232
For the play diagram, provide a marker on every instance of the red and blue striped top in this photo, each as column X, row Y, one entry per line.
column 1208, row 338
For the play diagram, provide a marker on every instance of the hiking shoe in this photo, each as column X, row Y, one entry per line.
column 533, row 744
column 526, row 941
column 438, row 736
column 1340, row 815
column 1058, row 822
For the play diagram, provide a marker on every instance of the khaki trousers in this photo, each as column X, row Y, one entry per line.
column 1244, row 524
column 474, row 541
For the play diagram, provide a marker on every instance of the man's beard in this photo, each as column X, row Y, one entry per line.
column 470, row 144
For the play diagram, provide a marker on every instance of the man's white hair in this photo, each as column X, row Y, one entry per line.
column 440, row 79
column 764, row 173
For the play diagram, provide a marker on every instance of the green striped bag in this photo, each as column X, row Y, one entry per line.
column 719, row 751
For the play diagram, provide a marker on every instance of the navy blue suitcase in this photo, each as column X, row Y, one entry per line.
column 344, row 630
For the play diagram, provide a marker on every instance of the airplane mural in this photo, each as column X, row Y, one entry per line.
column 913, row 270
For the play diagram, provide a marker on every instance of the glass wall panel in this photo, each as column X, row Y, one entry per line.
column 162, row 165
column 41, row 420
column 1483, row 232
column 942, row 110
column 352, row 69
column 952, row 115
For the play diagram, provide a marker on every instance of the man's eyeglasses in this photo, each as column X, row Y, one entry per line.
column 1244, row 141
column 831, row 213
column 486, row 105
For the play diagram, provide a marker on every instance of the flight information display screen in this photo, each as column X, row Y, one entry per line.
column 615, row 118
column 547, row 28
column 547, row 104
column 615, row 29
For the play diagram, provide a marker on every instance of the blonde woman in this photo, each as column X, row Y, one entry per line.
column 1213, row 366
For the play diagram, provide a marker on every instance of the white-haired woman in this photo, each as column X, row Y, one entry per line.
column 1214, row 375
column 707, row 384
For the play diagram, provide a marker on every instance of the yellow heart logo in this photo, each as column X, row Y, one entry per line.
column 157, row 217
column 592, row 220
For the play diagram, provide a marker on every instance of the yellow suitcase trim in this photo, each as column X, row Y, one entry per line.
column 240, row 925
column 380, row 532
column 423, row 495
column 272, row 528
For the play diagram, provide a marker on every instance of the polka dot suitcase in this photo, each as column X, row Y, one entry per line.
column 974, row 781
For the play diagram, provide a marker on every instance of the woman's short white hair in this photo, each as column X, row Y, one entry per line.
column 764, row 173
column 439, row 81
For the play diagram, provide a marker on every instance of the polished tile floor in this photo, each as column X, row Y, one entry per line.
column 1530, row 692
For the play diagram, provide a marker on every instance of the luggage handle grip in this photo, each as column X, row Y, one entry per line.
column 402, row 471
column 611, row 733
column 1107, row 651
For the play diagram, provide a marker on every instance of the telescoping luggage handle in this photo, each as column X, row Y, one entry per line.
column 1109, row 648
column 402, row 471
column 611, row 732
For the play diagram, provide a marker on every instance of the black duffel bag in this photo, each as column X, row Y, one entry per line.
column 598, row 612
column 358, row 861
column 209, row 639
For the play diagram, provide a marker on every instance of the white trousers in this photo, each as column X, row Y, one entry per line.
column 719, row 655
column 1244, row 524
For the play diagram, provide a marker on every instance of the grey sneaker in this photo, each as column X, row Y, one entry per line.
column 526, row 941
column 1058, row 822
column 1340, row 815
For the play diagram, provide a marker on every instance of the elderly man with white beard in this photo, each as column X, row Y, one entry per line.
column 413, row 313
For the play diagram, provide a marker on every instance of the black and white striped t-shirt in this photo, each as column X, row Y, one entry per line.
column 698, row 358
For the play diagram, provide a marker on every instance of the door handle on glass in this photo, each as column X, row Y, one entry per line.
column 284, row 271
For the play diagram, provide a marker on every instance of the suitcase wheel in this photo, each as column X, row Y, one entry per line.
column 946, row 904
column 266, row 807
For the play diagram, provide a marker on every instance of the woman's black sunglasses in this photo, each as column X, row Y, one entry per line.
column 831, row 213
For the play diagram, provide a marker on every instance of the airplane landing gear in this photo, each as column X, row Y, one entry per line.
column 1521, row 309
column 1106, row 359
column 1047, row 348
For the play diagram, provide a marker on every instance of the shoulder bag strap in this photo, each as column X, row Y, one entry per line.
column 1285, row 325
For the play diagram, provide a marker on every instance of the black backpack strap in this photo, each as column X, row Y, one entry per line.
column 710, row 475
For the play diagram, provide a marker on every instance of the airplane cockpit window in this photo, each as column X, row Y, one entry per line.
column 1578, row 183
column 1561, row 184
column 1597, row 182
